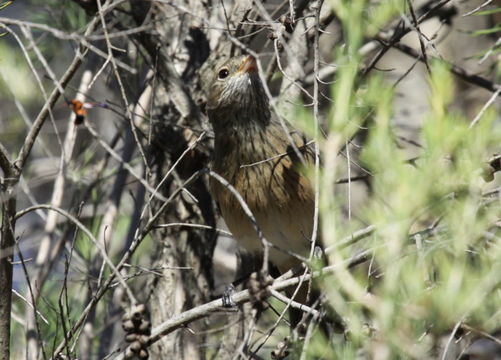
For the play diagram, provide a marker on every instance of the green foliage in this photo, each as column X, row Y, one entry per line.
column 5, row 4
column 492, row 30
column 380, row 14
column 436, row 251
column 15, row 76
column 488, row 12
column 61, row 14
column 65, row 15
column 493, row 51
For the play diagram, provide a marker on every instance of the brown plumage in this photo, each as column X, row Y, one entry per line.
column 254, row 154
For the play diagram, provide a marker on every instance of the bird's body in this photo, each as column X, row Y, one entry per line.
column 255, row 155
column 80, row 108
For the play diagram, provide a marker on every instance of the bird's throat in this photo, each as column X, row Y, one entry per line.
column 242, row 143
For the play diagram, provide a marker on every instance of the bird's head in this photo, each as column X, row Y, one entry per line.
column 237, row 92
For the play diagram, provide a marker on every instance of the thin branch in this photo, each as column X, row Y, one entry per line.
column 62, row 35
column 400, row 32
column 239, row 298
column 484, row 108
column 195, row 226
column 120, row 84
column 352, row 239
column 31, row 66
column 451, row 339
column 33, row 305
column 480, row 332
column 316, row 62
column 126, row 165
column 455, row 69
column 294, row 304
column 5, row 163
column 15, row 292
column 130, row 251
column 478, row 8
column 25, row 150
column 248, row 212
column 420, row 35
column 87, row 232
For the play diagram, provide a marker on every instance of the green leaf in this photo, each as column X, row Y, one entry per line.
column 486, row 31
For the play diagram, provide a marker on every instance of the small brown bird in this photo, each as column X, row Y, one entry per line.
column 255, row 155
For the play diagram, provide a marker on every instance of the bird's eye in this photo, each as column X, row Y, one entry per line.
column 223, row 73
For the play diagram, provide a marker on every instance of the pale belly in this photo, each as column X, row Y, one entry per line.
column 288, row 229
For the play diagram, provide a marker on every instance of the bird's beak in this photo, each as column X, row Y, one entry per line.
column 248, row 65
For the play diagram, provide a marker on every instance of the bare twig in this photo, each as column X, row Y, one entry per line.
column 420, row 35
column 43, row 256
column 241, row 297
column 400, row 32
column 25, row 150
column 89, row 235
column 451, row 339
column 482, row 111
column 353, row 238
column 249, row 214
column 7, row 241
column 120, row 83
column 5, row 162
column 195, row 226
column 460, row 72
column 316, row 62
column 125, row 165
column 478, row 8
column 480, row 332
column 141, row 234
